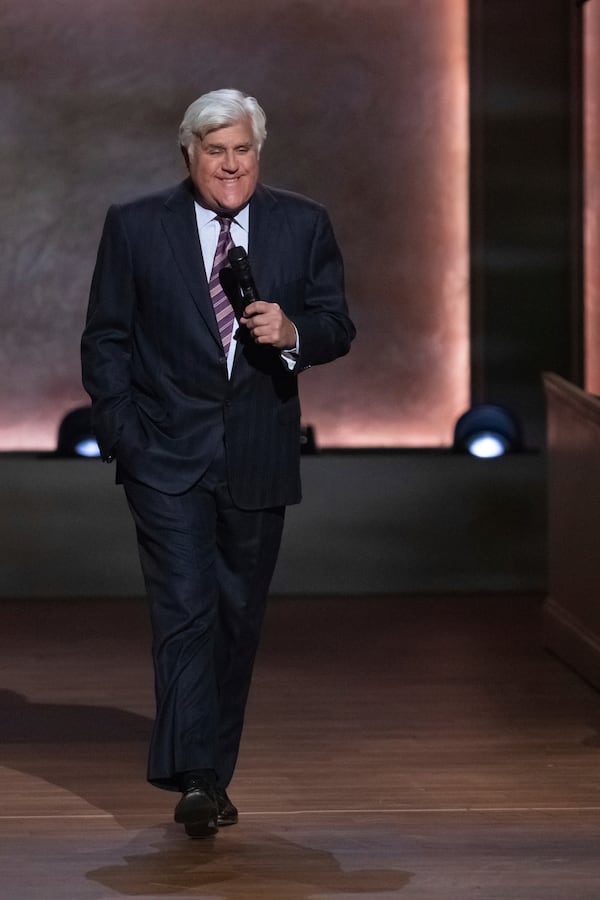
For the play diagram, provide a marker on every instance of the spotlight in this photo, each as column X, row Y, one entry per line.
column 76, row 436
column 487, row 431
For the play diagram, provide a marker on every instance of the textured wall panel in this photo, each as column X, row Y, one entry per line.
column 367, row 112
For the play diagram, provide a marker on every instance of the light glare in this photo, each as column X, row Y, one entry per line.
column 88, row 448
column 487, row 446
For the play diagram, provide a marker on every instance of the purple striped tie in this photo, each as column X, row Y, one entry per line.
column 222, row 306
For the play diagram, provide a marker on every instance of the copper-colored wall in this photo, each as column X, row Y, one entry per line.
column 367, row 107
column 591, row 25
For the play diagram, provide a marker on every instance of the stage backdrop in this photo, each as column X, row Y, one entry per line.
column 367, row 112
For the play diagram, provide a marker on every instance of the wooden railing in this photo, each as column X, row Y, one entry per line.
column 572, row 610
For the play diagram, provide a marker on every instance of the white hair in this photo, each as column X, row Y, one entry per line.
column 220, row 109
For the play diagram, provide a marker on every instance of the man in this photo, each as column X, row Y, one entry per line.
column 201, row 413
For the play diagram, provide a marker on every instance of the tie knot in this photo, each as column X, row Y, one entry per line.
column 224, row 223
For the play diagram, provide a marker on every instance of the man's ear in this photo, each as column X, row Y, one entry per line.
column 186, row 156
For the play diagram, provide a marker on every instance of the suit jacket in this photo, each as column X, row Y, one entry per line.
column 152, row 358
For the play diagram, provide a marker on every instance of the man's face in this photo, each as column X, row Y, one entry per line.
column 224, row 167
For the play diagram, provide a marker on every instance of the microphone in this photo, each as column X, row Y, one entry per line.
column 238, row 260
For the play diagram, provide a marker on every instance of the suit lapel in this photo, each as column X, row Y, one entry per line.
column 179, row 223
column 263, row 236
column 262, row 225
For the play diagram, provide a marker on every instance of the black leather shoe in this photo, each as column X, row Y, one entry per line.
column 227, row 813
column 197, row 810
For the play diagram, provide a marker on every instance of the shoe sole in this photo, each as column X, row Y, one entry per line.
column 198, row 816
column 201, row 830
column 224, row 821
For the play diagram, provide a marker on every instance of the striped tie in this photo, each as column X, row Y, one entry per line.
column 222, row 307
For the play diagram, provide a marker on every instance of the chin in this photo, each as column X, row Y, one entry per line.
column 233, row 202
column 229, row 208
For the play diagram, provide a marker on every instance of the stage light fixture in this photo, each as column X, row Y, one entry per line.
column 76, row 436
column 487, row 431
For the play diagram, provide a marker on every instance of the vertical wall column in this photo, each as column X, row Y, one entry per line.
column 591, row 93
column 525, row 202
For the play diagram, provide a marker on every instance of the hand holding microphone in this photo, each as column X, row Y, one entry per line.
column 266, row 322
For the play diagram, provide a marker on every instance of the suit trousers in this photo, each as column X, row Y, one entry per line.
column 207, row 568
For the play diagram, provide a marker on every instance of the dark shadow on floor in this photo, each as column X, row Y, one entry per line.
column 230, row 865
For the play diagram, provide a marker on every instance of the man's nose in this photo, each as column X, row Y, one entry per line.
column 230, row 161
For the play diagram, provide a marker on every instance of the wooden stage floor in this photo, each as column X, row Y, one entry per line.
column 395, row 748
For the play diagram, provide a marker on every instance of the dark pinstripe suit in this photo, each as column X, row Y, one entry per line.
column 208, row 462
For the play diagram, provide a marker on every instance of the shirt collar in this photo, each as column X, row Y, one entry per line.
column 204, row 216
